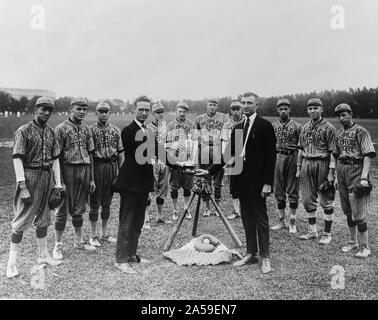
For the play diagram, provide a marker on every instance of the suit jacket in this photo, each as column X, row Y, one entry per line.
column 260, row 158
column 133, row 176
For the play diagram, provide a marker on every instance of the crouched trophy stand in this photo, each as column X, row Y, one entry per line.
column 201, row 188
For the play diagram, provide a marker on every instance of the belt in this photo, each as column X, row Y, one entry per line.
column 286, row 152
column 350, row 161
column 44, row 168
column 316, row 158
column 112, row 159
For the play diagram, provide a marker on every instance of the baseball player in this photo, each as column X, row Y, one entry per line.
column 316, row 166
column 76, row 158
column 161, row 172
column 286, row 185
column 181, row 140
column 236, row 117
column 35, row 154
column 107, row 159
column 209, row 126
column 354, row 150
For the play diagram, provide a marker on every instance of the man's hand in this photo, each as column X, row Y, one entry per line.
column 201, row 172
column 298, row 173
column 266, row 191
column 92, row 186
column 25, row 194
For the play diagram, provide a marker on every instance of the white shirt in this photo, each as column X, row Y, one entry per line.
column 251, row 121
column 140, row 125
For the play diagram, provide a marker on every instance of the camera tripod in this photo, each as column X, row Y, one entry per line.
column 201, row 188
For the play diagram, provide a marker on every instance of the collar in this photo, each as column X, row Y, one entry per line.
column 284, row 123
column 353, row 124
column 253, row 117
column 180, row 121
column 99, row 124
column 142, row 126
column 39, row 126
column 207, row 115
column 74, row 124
column 315, row 123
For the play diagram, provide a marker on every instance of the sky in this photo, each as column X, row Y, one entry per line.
column 192, row 49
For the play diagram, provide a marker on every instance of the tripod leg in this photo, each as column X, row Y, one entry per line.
column 178, row 225
column 196, row 215
column 228, row 226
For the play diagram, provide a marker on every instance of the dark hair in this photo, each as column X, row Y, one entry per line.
column 248, row 94
column 142, row 98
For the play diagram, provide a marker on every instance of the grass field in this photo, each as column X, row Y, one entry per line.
column 301, row 270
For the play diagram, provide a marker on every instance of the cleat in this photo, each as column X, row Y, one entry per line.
column 265, row 268
column 108, row 238
column 93, row 241
column 363, row 253
column 292, row 227
column 48, row 260
column 233, row 216
column 207, row 212
column 84, row 246
column 188, row 216
column 281, row 225
column 326, row 238
column 350, row 246
column 12, row 271
column 175, row 216
column 57, row 252
column 309, row 235
column 125, row 268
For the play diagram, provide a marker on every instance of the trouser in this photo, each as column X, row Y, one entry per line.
column 131, row 219
column 256, row 224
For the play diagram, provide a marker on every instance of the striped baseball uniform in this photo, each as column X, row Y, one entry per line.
column 76, row 143
column 107, row 146
column 38, row 147
column 317, row 141
column 210, row 146
column 285, row 182
column 352, row 145
column 184, row 132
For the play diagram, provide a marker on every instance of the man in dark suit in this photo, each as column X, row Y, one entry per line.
column 256, row 158
column 134, row 182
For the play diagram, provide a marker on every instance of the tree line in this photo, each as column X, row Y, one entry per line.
column 364, row 103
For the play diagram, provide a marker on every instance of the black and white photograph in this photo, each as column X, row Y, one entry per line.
column 189, row 155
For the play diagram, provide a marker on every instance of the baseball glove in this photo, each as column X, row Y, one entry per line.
column 361, row 190
column 327, row 189
column 56, row 198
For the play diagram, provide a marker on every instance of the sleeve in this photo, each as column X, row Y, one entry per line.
column 336, row 149
column 90, row 142
column 60, row 136
column 269, row 154
column 19, row 147
column 331, row 138
column 119, row 144
column 366, row 145
column 300, row 139
column 56, row 147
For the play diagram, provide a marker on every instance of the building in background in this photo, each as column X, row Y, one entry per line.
column 17, row 93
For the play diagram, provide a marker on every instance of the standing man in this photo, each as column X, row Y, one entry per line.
column 254, row 183
column 236, row 117
column 354, row 151
column 286, row 184
column 134, row 182
column 182, row 142
column 316, row 167
column 210, row 126
column 108, row 157
column 76, row 159
column 35, row 154
column 158, row 129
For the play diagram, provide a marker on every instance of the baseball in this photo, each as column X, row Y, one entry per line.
column 206, row 241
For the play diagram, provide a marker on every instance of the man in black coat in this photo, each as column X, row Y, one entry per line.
column 135, row 181
column 253, row 151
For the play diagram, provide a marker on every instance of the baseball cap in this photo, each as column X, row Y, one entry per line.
column 342, row 107
column 182, row 104
column 45, row 101
column 283, row 102
column 213, row 99
column 235, row 105
column 103, row 106
column 80, row 101
column 157, row 107
column 314, row 102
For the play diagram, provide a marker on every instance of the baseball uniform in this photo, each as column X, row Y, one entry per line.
column 107, row 146
column 76, row 144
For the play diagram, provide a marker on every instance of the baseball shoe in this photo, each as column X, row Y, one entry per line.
column 108, row 238
column 309, row 235
column 350, row 246
column 163, row 221
column 292, row 227
column 265, row 268
column 93, row 241
column 57, row 252
column 247, row 259
column 363, row 253
column 207, row 213
column 48, row 260
column 12, row 271
column 175, row 216
column 281, row 225
column 233, row 215
column 188, row 215
column 84, row 246
column 125, row 268
column 146, row 225
column 326, row 238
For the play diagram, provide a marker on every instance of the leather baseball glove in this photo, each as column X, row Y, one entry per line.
column 327, row 189
column 56, row 198
column 361, row 190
